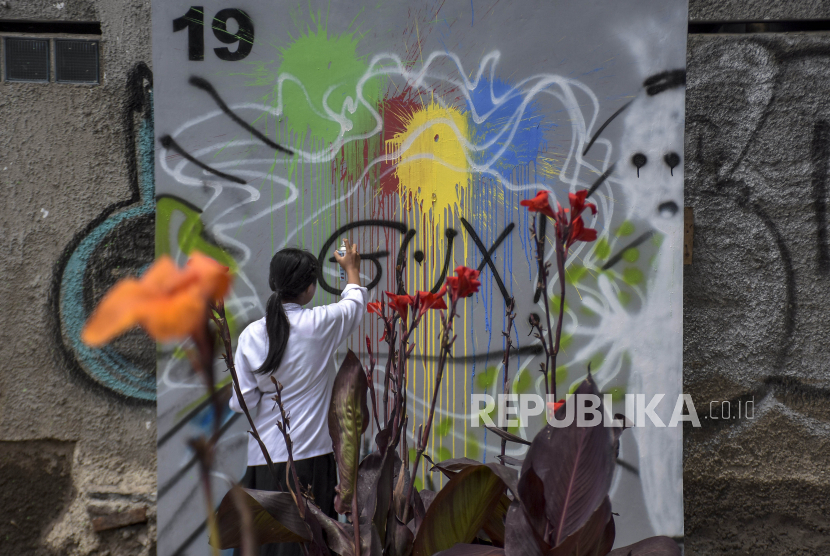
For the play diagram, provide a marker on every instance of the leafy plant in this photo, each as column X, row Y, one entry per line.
column 557, row 506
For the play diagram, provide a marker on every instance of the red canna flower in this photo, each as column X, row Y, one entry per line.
column 578, row 232
column 429, row 300
column 539, row 203
column 464, row 284
column 569, row 225
column 375, row 307
column 578, row 203
column 400, row 303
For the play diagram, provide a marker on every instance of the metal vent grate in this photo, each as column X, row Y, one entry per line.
column 76, row 61
column 27, row 59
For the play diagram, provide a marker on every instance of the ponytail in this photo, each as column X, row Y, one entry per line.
column 292, row 272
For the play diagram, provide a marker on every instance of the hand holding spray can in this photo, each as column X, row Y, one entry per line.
column 342, row 253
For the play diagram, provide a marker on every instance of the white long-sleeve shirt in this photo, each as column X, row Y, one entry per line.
column 306, row 373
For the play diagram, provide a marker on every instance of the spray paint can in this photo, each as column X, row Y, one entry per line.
column 342, row 253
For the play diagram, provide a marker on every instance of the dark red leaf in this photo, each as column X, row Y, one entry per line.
column 592, row 539
column 521, row 538
column 459, row 510
column 275, row 517
column 348, row 419
column 576, row 465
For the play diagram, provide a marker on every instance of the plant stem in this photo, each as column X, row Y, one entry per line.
column 560, row 263
column 446, row 344
column 222, row 324
column 506, row 363
column 543, row 273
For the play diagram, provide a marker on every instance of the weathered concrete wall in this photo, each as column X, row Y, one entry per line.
column 758, row 291
column 70, row 448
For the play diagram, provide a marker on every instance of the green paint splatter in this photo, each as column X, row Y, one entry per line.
column 624, row 298
column 626, row 229
column 631, row 255
column 632, row 276
column 320, row 61
column 596, row 361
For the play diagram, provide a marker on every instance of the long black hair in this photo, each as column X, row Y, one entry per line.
column 292, row 272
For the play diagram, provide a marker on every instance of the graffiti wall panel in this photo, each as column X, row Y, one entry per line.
column 415, row 130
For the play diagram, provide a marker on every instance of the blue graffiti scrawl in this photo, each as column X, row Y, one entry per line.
column 119, row 242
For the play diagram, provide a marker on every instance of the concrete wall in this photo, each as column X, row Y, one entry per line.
column 71, row 448
column 75, row 445
column 758, row 292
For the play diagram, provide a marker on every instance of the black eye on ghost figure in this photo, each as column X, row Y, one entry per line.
column 639, row 160
column 672, row 159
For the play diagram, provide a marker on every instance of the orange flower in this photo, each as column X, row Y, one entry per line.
column 375, row 307
column 168, row 302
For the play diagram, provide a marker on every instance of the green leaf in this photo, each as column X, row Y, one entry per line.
column 348, row 419
column 275, row 516
column 459, row 510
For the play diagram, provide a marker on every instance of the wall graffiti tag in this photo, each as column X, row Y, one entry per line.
column 416, row 131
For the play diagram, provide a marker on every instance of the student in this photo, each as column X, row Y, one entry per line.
column 295, row 345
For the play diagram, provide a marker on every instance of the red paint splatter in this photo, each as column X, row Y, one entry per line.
column 395, row 111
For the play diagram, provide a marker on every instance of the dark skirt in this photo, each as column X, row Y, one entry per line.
column 317, row 474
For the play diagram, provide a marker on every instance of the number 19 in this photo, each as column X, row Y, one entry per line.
column 194, row 22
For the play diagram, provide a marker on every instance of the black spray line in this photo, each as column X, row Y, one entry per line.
column 618, row 257
column 203, row 84
column 170, row 144
column 601, row 179
column 603, row 126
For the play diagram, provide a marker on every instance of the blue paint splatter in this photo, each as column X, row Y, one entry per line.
column 527, row 140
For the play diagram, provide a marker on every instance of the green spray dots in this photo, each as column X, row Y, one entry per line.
column 442, row 454
column 523, row 382
column 626, row 229
column 487, row 378
column 443, row 427
column 617, row 393
column 632, row 276
column 602, row 249
column 624, row 298
column 631, row 255
column 574, row 274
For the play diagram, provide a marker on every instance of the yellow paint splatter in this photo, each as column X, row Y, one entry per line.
column 431, row 160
